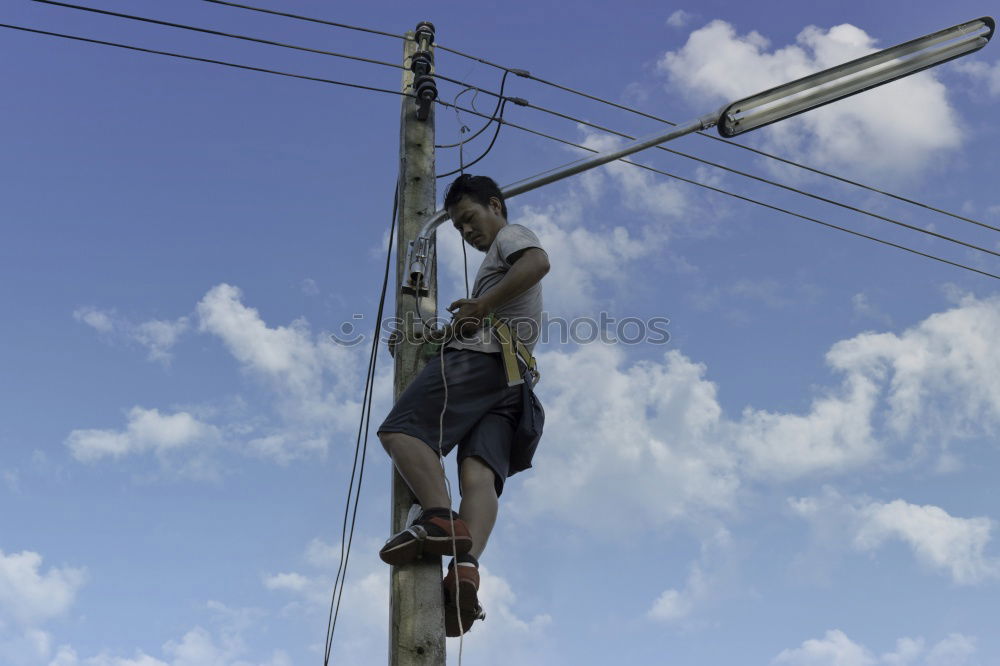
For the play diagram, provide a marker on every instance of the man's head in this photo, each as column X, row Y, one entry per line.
column 477, row 209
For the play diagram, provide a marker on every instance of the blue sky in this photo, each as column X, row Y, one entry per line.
column 804, row 475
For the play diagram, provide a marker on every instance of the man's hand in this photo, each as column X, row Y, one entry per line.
column 468, row 314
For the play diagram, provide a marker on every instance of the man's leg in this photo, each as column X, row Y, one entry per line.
column 419, row 466
column 479, row 502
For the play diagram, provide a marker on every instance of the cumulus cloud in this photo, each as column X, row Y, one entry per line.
column 987, row 76
column 30, row 597
column 156, row 335
column 197, row 647
column 679, row 19
column 223, row 645
column 315, row 383
column 314, row 379
column 583, row 253
column 147, row 430
column 943, row 374
column 655, row 428
column 901, row 128
column 366, row 595
column 939, row 541
column 703, row 582
column 836, row 649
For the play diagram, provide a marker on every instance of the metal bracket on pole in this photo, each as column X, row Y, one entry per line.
column 771, row 106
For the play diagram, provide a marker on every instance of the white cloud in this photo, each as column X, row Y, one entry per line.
column 287, row 356
column 225, row 646
column 100, row 321
column 28, row 596
column 942, row 542
column 655, row 428
column 582, row 256
column 147, row 430
column 291, row 582
column 316, row 382
column 649, row 430
column 157, row 336
column 309, row 287
column 160, row 336
column 939, row 540
column 503, row 637
column 362, row 632
column 900, row 128
column 982, row 73
column 675, row 604
column 864, row 308
column 679, row 19
column 836, row 649
column 943, row 374
column 703, row 582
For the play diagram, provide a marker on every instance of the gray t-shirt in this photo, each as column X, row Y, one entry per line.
column 524, row 312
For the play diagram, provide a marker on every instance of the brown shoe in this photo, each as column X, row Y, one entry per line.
column 430, row 533
column 461, row 598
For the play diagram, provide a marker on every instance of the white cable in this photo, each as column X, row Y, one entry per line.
column 451, row 516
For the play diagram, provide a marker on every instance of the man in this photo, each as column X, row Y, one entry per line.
column 496, row 426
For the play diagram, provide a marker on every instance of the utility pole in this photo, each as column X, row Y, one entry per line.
column 416, row 610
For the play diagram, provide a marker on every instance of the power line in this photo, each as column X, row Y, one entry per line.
column 219, row 33
column 258, row 40
column 528, row 75
column 501, row 103
column 742, row 198
column 306, row 18
column 497, row 116
column 207, row 60
column 360, row 450
column 772, row 182
column 500, row 98
column 498, row 120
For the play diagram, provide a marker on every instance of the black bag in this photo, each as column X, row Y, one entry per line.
column 529, row 429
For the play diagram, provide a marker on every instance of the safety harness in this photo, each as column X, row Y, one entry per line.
column 513, row 351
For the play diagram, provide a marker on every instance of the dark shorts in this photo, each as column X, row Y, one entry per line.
column 482, row 413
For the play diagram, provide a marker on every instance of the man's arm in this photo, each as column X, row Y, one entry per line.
column 528, row 267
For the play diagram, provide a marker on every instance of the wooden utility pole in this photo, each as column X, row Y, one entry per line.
column 416, row 612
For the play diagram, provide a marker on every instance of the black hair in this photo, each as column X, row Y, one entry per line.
column 478, row 188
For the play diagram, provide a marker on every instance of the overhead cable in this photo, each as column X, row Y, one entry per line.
column 219, row 33
column 305, row 18
column 496, row 110
column 771, row 182
column 360, row 449
column 528, row 75
column 208, row 60
column 498, row 120
column 497, row 116
column 741, row 197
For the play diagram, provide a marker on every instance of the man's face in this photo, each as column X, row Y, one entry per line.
column 478, row 224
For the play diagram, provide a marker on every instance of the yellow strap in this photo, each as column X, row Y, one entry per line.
column 513, row 348
column 509, row 354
